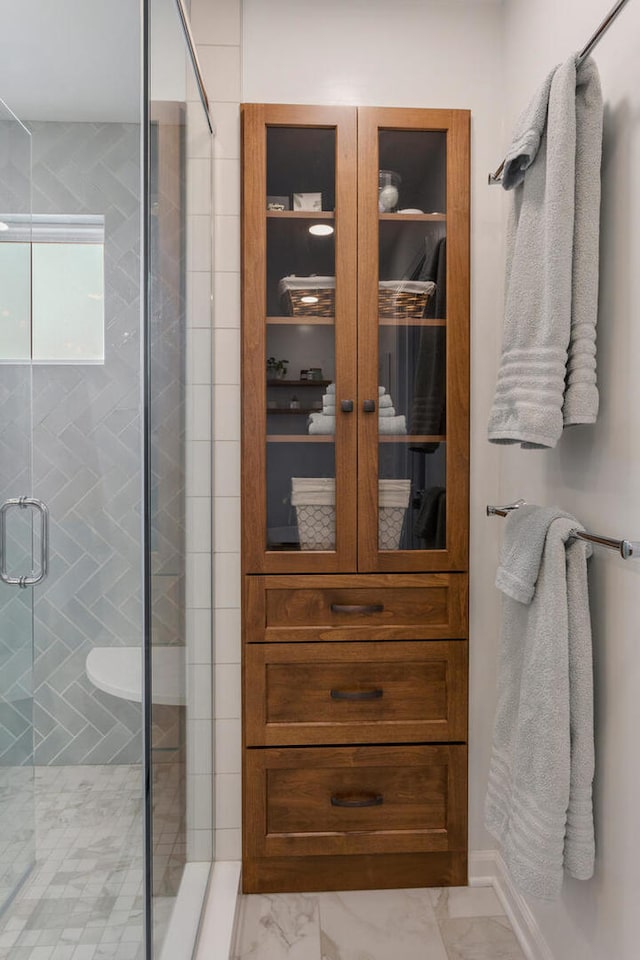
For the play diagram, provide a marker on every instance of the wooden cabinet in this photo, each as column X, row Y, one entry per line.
column 355, row 495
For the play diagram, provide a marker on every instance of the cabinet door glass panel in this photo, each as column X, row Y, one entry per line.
column 412, row 341
column 300, row 341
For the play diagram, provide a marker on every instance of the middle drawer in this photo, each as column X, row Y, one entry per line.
column 370, row 692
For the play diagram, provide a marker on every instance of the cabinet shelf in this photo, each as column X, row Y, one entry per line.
column 300, row 438
column 301, row 214
column 330, row 437
column 411, row 438
column 286, row 411
column 413, row 217
column 383, row 321
column 302, row 321
column 411, row 322
column 298, row 383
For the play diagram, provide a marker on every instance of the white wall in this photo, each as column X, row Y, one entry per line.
column 216, row 28
column 417, row 53
column 595, row 470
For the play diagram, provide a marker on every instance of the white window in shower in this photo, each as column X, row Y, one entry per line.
column 52, row 289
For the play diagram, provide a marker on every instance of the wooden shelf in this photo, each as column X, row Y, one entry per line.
column 298, row 383
column 415, row 217
column 410, row 438
column 284, row 411
column 410, row 322
column 300, row 438
column 383, row 321
column 302, row 321
column 330, row 438
column 302, row 214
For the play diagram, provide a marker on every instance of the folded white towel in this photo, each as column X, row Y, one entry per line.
column 392, row 425
column 387, row 424
column 387, row 412
column 319, row 423
column 385, row 400
column 329, row 404
column 381, row 391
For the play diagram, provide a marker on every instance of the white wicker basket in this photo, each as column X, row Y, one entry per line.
column 314, row 499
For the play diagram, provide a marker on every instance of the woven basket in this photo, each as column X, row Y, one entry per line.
column 397, row 299
column 394, row 304
column 324, row 307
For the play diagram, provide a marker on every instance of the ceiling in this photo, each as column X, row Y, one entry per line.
column 71, row 59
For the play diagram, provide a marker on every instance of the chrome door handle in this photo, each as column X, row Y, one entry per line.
column 26, row 580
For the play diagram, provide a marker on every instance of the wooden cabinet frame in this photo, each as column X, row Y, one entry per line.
column 356, row 339
column 255, row 120
column 333, row 610
column 456, row 125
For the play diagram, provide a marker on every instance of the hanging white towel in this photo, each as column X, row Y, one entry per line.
column 547, row 376
column 538, row 803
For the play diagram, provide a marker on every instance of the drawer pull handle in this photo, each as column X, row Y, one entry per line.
column 357, row 607
column 356, row 694
column 353, row 800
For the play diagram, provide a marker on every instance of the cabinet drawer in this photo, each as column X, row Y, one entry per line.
column 313, row 693
column 367, row 607
column 355, row 800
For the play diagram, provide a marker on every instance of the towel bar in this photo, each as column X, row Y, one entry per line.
column 628, row 549
column 496, row 177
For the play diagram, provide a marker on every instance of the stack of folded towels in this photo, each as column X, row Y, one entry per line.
column 388, row 422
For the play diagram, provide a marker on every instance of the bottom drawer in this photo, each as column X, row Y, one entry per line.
column 355, row 800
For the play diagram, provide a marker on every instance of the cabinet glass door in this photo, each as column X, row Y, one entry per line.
column 299, row 379
column 413, row 310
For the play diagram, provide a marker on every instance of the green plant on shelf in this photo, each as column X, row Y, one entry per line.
column 276, row 369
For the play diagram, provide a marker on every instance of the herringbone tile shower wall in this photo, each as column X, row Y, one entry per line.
column 87, row 462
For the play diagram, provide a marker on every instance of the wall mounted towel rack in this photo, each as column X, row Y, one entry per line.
column 584, row 53
column 628, row 549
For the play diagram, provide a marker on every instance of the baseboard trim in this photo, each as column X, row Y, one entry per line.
column 220, row 916
column 487, row 868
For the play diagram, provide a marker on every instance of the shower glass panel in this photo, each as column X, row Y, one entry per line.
column 178, row 356
column 71, row 426
column 17, row 811
column 105, row 385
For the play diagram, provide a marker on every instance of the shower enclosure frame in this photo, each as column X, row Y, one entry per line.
column 147, row 403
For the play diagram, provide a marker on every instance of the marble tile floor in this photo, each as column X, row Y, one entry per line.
column 457, row 923
column 83, row 899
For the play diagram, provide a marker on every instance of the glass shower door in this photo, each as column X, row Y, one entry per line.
column 17, row 814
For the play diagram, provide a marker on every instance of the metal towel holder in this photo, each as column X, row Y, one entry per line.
column 628, row 549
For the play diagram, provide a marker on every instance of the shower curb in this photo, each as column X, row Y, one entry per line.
column 220, row 913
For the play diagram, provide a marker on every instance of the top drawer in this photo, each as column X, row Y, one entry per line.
column 367, row 607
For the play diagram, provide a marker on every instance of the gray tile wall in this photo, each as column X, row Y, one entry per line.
column 87, row 460
column 87, row 468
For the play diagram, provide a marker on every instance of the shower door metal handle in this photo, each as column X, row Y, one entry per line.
column 30, row 579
